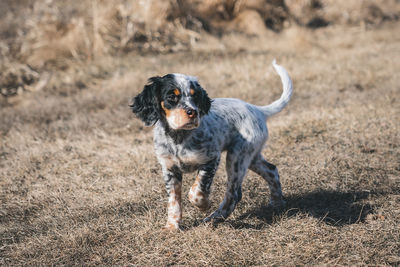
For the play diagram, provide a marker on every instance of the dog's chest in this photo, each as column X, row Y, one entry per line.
column 187, row 158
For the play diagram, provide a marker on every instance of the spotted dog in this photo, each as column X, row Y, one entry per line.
column 190, row 132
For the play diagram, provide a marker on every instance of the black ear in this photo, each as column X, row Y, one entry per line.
column 145, row 105
column 205, row 102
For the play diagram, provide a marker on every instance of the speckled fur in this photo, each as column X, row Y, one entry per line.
column 222, row 124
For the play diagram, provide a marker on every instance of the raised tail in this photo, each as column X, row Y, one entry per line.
column 279, row 104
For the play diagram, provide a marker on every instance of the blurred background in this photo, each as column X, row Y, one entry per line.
column 40, row 37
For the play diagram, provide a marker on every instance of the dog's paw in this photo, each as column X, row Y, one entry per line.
column 277, row 204
column 171, row 227
column 216, row 216
column 203, row 206
column 200, row 201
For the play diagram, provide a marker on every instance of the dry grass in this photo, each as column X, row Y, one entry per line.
column 38, row 38
column 44, row 33
column 80, row 183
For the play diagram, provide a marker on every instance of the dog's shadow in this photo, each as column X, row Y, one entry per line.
column 330, row 207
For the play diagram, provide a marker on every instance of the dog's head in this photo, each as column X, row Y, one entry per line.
column 175, row 99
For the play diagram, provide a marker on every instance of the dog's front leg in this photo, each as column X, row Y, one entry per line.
column 173, row 183
column 200, row 190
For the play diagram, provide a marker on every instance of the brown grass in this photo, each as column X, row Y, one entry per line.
column 79, row 182
column 44, row 33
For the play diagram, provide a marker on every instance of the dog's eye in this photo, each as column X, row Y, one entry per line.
column 172, row 98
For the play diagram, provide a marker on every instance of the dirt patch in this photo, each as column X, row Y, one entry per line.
column 16, row 79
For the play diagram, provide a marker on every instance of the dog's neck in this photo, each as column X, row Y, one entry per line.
column 178, row 136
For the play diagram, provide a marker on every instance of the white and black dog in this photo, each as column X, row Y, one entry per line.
column 191, row 130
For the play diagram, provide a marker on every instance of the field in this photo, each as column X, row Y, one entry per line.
column 80, row 184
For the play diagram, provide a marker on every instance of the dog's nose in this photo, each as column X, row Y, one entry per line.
column 191, row 112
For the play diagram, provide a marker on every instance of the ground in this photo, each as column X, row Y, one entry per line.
column 80, row 183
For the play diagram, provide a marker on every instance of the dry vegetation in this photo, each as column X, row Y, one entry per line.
column 79, row 183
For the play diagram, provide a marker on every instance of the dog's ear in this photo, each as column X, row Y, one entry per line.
column 145, row 105
column 204, row 102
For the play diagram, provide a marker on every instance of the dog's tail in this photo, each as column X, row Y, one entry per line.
column 279, row 104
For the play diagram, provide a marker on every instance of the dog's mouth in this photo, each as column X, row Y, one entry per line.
column 191, row 124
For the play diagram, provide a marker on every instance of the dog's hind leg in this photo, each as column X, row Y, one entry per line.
column 236, row 168
column 269, row 173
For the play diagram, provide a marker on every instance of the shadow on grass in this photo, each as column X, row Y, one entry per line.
column 331, row 207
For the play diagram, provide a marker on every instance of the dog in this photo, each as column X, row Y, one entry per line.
column 191, row 131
